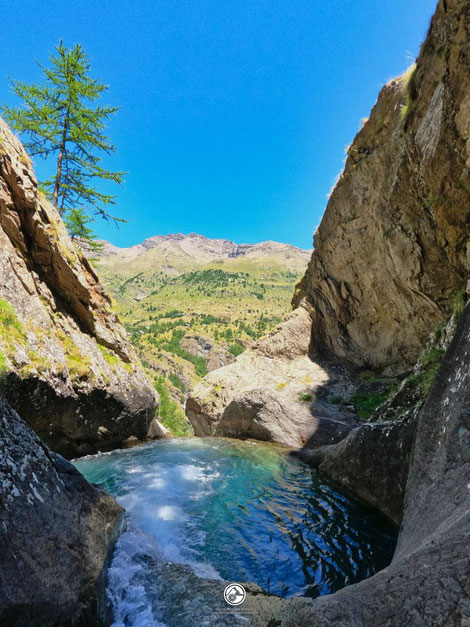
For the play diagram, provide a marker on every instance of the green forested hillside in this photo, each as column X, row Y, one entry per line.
column 191, row 305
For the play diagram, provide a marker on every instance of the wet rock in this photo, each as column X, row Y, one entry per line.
column 56, row 534
column 372, row 462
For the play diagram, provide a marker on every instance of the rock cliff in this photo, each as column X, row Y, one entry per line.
column 393, row 246
column 66, row 364
column 56, row 532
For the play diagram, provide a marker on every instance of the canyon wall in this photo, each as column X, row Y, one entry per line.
column 66, row 364
column 392, row 249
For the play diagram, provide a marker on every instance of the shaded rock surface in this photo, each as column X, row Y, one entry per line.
column 56, row 531
column 372, row 462
column 393, row 246
column 66, row 363
column 275, row 392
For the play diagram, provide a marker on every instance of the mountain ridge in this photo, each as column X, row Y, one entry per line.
column 222, row 247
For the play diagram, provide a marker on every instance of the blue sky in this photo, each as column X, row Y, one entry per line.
column 234, row 114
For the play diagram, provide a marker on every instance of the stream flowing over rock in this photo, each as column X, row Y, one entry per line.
column 66, row 364
column 56, row 533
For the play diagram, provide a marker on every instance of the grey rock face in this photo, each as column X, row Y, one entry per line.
column 372, row 462
column 274, row 392
column 56, row 531
column 67, row 365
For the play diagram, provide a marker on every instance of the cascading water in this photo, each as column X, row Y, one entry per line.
column 240, row 511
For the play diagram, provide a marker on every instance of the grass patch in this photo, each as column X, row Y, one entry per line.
column 410, row 90
column 430, row 364
column 459, row 301
column 365, row 403
column 11, row 329
column 307, row 398
column 170, row 412
column 177, row 382
column 77, row 364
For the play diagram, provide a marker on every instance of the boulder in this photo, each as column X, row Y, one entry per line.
column 274, row 391
column 56, row 534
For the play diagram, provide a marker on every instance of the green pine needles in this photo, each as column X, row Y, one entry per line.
column 61, row 121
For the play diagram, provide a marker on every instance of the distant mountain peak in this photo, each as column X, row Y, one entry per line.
column 217, row 247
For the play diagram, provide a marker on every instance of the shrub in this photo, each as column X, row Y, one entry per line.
column 236, row 349
column 170, row 412
column 177, row 382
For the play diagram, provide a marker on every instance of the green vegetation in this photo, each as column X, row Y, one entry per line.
column 173, row 346
column 170, row 412
column 459, row 301
column 11, row 329
column 236, row 349
column 410, row 90
column 3, row 370
column 365, row 403
column 76, row 222
column 182, row 313
column 59, row 123
column 78, row 364
column 430, row 362
column 177, row 382
column 307, row 398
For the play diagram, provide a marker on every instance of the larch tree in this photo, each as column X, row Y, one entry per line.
column 60, row 121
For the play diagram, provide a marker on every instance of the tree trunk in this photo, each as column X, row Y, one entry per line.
column 55, row 198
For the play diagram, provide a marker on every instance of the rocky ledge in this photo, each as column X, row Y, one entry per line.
column 66, row 364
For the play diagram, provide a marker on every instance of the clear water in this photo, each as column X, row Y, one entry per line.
column 241, row 511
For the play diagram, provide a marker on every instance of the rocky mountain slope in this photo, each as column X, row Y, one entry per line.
column 191, row 304
column 66, row 364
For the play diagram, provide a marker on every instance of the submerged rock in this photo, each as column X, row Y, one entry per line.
column 66, row 364
column 56, row 534
column 275, row 392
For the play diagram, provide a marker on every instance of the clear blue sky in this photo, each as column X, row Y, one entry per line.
column 234, row 114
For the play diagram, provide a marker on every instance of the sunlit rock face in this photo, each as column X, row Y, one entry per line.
column 393, row 246
column 275, row 392
column 66, row 363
